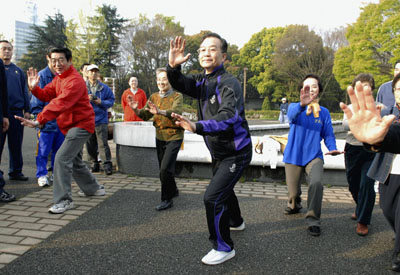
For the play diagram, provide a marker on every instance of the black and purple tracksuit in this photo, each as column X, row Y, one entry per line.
column 223, row 124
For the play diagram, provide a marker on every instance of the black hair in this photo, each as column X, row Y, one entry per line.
column 65, row 51
column 363, row 77
column 395, row 80
column 224, row 44
column 83, row 65
column 311, row 76
column 6, row 41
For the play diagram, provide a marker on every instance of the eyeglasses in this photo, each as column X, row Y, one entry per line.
column 60, row 61
column 6, row 49
column 204, row 50
column 396, row 89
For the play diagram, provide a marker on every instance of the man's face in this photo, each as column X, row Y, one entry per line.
column 210, row 54
column 50, row 65
column 84, row 71
column 133, row 83
column 396, row 69
column 60, row 62
column 93, row 75
column 396, row 92
column 162, row 82
column 313, row 84
column 6, row 52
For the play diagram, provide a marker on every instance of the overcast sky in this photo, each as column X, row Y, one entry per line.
column 234, row 20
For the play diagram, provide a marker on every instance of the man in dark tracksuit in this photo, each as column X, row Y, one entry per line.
column 226, row 133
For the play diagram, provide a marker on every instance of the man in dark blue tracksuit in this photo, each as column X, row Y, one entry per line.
column 18, row 103
column 223, row 124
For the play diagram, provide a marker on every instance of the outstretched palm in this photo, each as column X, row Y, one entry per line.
column 152, row 108
column 132, row 103
column 184, row 122
column 365, row 121
column 177, row 52
column 33, row 78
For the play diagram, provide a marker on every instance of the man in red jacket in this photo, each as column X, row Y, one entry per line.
column 70, row 105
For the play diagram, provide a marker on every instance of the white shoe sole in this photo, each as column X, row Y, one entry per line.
column 61, row 210
column 228, row 256
column 238, row 228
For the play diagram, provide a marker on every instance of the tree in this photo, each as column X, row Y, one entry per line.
column 145, row 47
column 374, row 44
column 256, row 55
column 52, row 34
column 107, row 26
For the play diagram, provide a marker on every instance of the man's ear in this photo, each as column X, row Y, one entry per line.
column 224, row 56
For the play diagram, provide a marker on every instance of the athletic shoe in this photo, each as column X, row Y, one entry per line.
column 61, row 207
column 238, row 228
column 43, row 181
column 215, row 257
column 99, row 192
column 51, row 178
column 5, row 197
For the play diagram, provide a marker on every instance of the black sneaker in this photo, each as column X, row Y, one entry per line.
column 96, row 167
column 5, row 197
column 314, row 230
column 291, row 211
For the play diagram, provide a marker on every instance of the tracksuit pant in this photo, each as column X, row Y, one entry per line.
column 222, row 206
column 361, row 187
column 167, row 152
column 48, row 141
column 68, row 164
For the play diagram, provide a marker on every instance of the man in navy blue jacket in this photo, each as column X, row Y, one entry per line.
column 4, row 196
column 18, row 103
column 223, row 124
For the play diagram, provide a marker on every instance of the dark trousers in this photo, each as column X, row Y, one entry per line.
column 15, row 134
column 361, row 186
column 222, row 206
column 389, row 201
column 98, row 144
column 167, row 152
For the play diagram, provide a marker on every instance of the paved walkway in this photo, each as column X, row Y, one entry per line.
column 26, row 222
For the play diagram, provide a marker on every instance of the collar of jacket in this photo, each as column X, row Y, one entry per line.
column 67, row 72
column 99, row 87
column 217, row 71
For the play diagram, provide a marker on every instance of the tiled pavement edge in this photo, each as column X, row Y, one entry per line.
column 26, row 222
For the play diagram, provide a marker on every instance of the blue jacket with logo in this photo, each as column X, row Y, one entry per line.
column 305, row 135
column 46, row 76
column 221, row 112
column 107, row 100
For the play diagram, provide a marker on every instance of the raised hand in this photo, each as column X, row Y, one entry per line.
column 184, row 122
column 132, row 103
column 177, row 52
column 306, row 97
column 152, row 108
column 365, row 121
column 33, row 78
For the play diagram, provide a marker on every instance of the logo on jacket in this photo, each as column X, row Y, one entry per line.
column 232, row 168
column 212, row 100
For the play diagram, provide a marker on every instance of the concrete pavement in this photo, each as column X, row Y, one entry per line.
column 121, row 233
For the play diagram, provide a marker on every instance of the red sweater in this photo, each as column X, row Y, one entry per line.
column 69, row 102
column 140, row 96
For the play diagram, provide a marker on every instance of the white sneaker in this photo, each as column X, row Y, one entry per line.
column 238, row 228
column 215, row 257
column 99, row 192
column 61, row 207
column 43, row 181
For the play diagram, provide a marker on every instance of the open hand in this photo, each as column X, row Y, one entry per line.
column 152, row 108
column 33, row 78
column 365, row 121
column 184, row 122
column 177, row 52
column 132, row 103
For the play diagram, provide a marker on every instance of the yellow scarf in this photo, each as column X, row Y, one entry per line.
column 314, row 108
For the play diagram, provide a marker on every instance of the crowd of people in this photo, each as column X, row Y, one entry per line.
column 71, row 110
